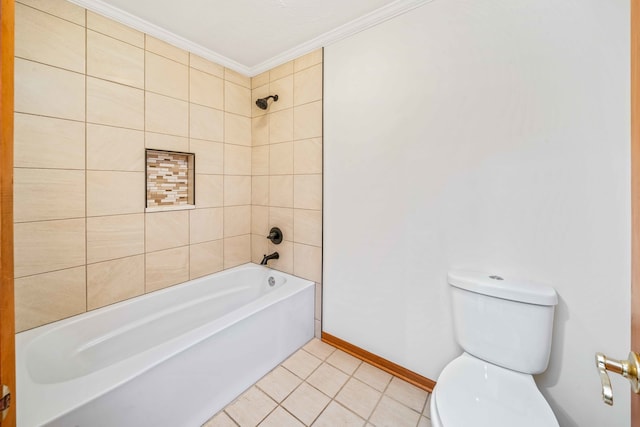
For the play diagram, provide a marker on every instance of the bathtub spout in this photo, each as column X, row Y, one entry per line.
column 266, row 258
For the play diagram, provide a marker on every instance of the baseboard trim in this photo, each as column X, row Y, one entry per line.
column 379, row 362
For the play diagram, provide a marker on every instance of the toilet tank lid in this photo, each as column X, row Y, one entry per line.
column 504, row 287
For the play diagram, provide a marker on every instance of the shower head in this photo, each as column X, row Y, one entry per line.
column 262, row 102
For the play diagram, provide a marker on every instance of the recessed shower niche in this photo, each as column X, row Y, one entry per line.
column 170, row 180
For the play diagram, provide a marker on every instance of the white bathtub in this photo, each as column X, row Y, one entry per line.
column 170, row 358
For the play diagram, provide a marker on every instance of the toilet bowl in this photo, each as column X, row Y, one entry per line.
column 472, row 392
column 504, row 328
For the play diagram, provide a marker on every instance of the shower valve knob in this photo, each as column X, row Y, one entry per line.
column 275, row 235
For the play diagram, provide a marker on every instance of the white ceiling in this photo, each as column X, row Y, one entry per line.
column 250, row 36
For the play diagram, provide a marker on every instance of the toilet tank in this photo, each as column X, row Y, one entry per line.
column 506, row 322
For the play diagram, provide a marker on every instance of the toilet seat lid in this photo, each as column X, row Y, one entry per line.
column 472, row 392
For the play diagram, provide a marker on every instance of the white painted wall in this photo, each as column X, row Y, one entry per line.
column 490, row 135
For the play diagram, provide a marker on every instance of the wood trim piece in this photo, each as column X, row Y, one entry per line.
column 7, row 322
column 377, row 361
column 635, row 194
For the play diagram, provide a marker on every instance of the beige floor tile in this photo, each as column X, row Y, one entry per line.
column 424, row 422
column 328, row 379
column 390, row 413
column 336, row 415
column 343, row 361
column 281, row 418
column 279, row 383
column 306, row 403
column 319, row 349
column 358, row 397
column 407, row 394
column 426, row 412
column 302, row 363
column 220, row 420
column 376, row 378
column 251, row 408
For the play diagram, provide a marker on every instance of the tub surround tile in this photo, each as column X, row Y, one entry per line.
column 308, row 121
column 237, row 251
column 375, row 377
column 205, row 258
column 337, row 415
column 407, row 394
column 165, row 49
column 359, row 397
column 165, row 230
column 391, row 413
column 114, row 29
column 258, row 92
column 307, row 192
column 307, row 262
column 45, row 38
column 166, row 77
column 260, row 191
column 285, row 262
column 209, row 190
column 259, row 248
column 281, row 191
column 237, row 99
column 113, row 281
column 260, row 80
column 237, row 190
column 260, row 130
column 302, row 363
column 205, row 65
column 306, row 403
column 114, row 104
column 281, row 126
column 281, row 71
column 206, row 225
column 46, row 246
column 166, row 268
column 307, row 225
column 251, row 408
column 44, row 142
column 115, row 149
column 159, row 141
column 167, row 115
column 60, row 8
column 283, row 219
column 260, row 160
column 114, row 60
column 281, row 159
column 237, row 160
column 237, row 129
column 48, row 297
column 308, row 85
column 237, row 78
column 237, row 220
column 111, row 237
column 209, row 156
column 206, row 123
column 344, row 361
column 307, row 60
column 46, row 194
column 115, row 193
column 284, row 89
column 279, row 383
column 205, row 89
column 49, row 91
column 307, row 156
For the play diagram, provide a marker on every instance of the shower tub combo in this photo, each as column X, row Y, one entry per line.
column 170, row 358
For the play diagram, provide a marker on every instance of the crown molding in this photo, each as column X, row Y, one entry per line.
column 369, row 20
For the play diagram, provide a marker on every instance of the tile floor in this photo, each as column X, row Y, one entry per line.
column 322, row 386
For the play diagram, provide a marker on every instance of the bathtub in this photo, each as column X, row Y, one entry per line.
column 170, row 358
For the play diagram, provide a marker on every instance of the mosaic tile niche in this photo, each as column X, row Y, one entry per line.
column 170, row 180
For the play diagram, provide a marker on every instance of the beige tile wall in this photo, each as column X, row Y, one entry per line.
column 91, row 95
column 286, row 168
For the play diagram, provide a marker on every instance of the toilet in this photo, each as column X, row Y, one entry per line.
column 504, row 327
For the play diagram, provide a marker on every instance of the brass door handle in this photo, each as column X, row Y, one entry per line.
column 629, row 368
